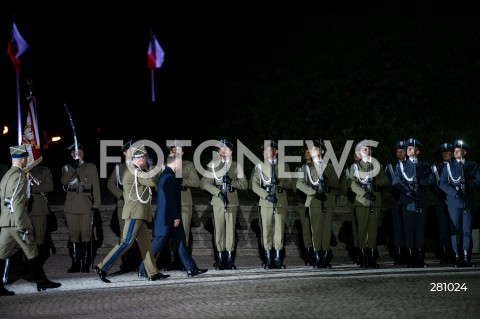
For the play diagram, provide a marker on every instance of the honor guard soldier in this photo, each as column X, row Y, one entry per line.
column 15, row 224
column 308, row 253
column 396, row 208
column 366, row 185
column 222, row 181
column 412, row 178
column 131, row 259
column 458, row 180
column 441, row 208
column 319, row 179
column 137, row 212
column 271, row 190
column 81, row 183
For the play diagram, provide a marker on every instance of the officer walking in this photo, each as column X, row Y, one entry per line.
column 319, row 179
column 441, row 208
column 15, row 225
column 223, row 180
column 458, row 180
column 396, row 208
column 412, row 178
column 81, row 183
column 365, row 183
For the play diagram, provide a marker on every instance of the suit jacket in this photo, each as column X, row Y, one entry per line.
column 137, row 193
column 168, row 202
column 86, row 176
column 14, row 186
column 450, row 182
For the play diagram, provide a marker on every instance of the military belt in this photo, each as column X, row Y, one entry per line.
column 183, row 188
column 231, row 189
column 78, row 190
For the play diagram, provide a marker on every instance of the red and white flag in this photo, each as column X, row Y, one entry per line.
column 16, row 46
column 31, row 138
column 155, row 54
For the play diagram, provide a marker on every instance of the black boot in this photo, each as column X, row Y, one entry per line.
column 365, row 258
column 319, row 254
column 328, row 256
column 466, row 259
column 39, row 275
column 398, row 259
column 421, row 258
column 278, row 259
column 87, row 256
column 444, row 258
column 230, row 263
column 220, row 264
column 358, row 261
column 458, row 261
column 411, row 258
column 76, row 258
column 372, row 260
column 175, row 262
column 267, row 264
column 3, row 291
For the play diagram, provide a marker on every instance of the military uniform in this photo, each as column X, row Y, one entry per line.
column 396, row 208
column 81, row 183
column 273, row 203
column 441, row 209
column 41, row 182
column 458, row 180
column 16, row 226
column 367, row 205
column 137, row 212
column 222, row 183
column 318, row 181
column 412, row 178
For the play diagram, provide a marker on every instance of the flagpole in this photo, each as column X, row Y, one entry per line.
column 19, row 111
column 152, row 76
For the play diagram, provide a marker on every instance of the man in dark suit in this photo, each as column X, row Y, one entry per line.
column 168, row 217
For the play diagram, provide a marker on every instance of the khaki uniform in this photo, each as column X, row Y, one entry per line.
column 83, row 193
column 115, row 186
column 189, row 179
column 137, row 212
column 224, row 221
column 41, row 182
column 13, row 187
column 320, row 212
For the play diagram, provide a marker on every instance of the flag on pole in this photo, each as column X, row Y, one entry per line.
column 155, row 54
column 31, row 138
column 16, row 46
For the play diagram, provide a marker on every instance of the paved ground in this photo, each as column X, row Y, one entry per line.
column 299, row 291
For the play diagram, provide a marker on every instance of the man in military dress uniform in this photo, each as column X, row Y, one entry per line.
column 223, row 180
column 458, row 180
column 396, row 207
column 81, row 183
column 441, row 208
column 273, row 202
column 15, row 224
column 319, row 179
column 137, row 212
column 412, row 178
column 365, row 183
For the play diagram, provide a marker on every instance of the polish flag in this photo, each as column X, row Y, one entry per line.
column 31, row 138
column 16, row 46
column 155, row 54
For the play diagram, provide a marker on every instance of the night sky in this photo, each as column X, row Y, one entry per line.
column 95, row 60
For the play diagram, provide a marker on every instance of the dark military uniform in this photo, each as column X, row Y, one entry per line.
column 412, row 178
column 16, row 226
column 368, row 203
column 273, row 203
column 458, row 180
column 81, row 183
column 396, row 208
column 222, row 183
column 441, row 209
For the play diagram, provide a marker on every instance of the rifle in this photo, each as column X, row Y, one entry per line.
column 418, row 209
column 463, row 185
column 273, row 184
column 225, row 185
column 370, row 182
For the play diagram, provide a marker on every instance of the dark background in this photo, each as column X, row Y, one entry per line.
column 337, row 70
